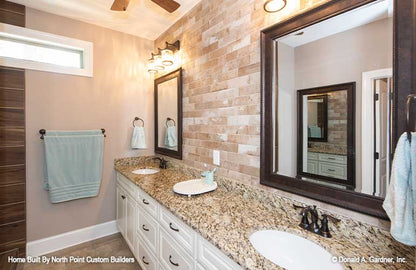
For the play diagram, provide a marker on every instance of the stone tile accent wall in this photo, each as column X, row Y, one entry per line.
column 220, row 54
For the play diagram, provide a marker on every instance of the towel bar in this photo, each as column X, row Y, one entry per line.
column 410, row 98
column 42, row 132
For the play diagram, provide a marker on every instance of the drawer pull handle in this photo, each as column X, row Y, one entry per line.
column 145, row 202
column 331, row 170
column 331, row 158
column 123, row 197
column 144, row 228
column 173, row 228
column 170, row 260
column 144, row 260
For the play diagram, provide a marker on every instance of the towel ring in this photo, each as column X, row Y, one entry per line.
column 408, row 103
column 137, row 119
column 170, row 119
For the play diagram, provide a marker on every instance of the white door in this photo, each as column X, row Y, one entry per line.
column 382, row 135
column 121, row 211
column 376, row 132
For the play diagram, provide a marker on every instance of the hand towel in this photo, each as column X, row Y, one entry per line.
column 138, row 138
column 73, row 164
column 400, row 201
column 170, row 137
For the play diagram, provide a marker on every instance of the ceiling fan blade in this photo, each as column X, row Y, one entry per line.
column 169, row 5
column 120, row 5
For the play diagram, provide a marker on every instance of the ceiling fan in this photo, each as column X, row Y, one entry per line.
column 168, row 5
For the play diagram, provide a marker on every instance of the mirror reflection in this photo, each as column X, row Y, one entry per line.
column 323, row 131
column 167, row 118
column 332, row 101
column 317, row 117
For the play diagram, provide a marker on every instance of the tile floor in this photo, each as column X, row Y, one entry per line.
column 113, row 245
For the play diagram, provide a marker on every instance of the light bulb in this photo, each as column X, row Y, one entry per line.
column 158, row 62
column 274, row 5
column 151, row 66
column 167, row 57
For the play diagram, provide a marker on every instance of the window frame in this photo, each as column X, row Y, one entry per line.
column 47, row 39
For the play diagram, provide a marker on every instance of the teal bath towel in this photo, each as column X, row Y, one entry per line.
column 400, row 202
column 73, row 164
column 170, row 137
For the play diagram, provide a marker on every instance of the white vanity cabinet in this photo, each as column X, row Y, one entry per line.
column 328, row 165
column 158, row 239
column 126, row 213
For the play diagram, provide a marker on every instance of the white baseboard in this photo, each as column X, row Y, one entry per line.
column 69, row 239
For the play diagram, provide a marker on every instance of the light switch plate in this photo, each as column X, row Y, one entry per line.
column 216, row 157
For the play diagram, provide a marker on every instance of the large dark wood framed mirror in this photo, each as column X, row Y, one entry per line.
column 168, row 114
column 368, row 42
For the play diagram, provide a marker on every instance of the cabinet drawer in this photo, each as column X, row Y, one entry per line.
column 144, row 256
column 333, row 170
column 148, row 204
column 333, row 158
column 148, row 229
column 312, row 155
column 172, row 256
column 212, row 258
column 177, row 229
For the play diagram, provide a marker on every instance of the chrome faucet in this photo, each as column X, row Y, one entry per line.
column 313, row 226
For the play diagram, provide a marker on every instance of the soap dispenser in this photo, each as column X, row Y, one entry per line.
column 208, row 176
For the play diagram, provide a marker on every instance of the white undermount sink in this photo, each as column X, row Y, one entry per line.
column 145, row 171
column 291, row 251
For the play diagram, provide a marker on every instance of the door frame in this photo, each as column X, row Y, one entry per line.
column 367, row 125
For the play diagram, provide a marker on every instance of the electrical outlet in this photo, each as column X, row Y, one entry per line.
column 216, row 157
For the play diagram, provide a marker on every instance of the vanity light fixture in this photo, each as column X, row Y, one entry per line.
column 272, row 6
column 151, row 65
column 164, row 57
column 158, row 61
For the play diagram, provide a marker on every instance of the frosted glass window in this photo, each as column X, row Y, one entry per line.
column 43, row 53
column 30, row 49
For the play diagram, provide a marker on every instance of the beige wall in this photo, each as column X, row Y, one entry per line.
column 220, row 50
column 120, row 90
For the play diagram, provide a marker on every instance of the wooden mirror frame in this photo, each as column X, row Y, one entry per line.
column 350, row 89
column 404, row 83
column 160, row 150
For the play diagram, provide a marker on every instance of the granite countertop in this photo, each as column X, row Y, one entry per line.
column 227, row 217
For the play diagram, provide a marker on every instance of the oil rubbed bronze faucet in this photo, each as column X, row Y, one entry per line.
column 163, row 163
column 313, row 226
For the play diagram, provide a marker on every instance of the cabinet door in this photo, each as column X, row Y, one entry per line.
column 121, row 211
column 172, row 256
column 131, row 221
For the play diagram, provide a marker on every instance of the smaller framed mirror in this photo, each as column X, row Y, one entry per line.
column 168, row 114
column 326, row 135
